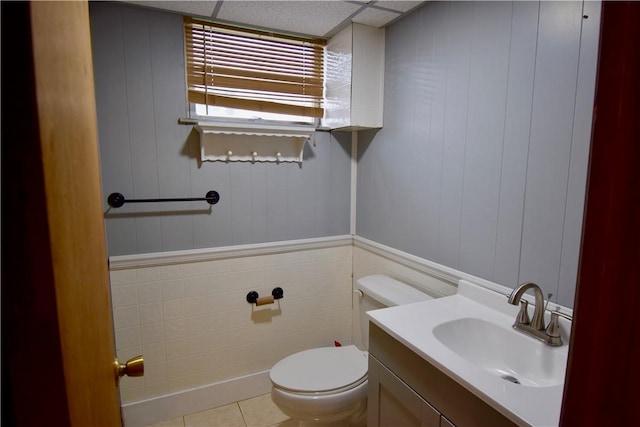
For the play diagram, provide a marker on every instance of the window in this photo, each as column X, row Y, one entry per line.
column 245, row 73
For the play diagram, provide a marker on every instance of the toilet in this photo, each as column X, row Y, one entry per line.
column 328, row 386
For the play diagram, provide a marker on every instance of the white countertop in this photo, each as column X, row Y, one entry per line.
column 412, row 325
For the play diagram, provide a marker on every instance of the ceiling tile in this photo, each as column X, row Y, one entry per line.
column 375, row 17
column 400, row 5
column 305, row 17
column 199, row 8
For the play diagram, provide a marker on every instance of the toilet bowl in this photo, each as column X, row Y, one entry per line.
column 327, row 386
column 321, row 385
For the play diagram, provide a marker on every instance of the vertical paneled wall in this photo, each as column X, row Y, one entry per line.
column 482, row 161
column 145, row 153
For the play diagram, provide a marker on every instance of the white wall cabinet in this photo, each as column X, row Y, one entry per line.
column 405, row 389
column 355, row 78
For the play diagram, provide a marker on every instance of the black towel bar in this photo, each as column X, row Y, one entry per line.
column 116, row 200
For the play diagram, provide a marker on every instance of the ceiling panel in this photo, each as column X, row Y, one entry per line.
column 199, row 8
column 320, row 18
column 375, row 17
column 401, row 6
column 307, row 17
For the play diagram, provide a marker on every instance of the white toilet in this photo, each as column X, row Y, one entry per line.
column 328, row 385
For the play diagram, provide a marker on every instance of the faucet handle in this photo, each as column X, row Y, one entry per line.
column 523, row 315
column 556, row 314
column 553, row 330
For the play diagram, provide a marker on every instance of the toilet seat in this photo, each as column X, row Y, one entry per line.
column 321, row 370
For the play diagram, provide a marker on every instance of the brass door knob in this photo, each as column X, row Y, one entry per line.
column 134, row 367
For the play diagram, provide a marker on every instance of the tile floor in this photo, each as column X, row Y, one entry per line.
column 256, row 412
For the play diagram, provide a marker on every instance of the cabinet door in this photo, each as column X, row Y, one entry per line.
column 392, row 403
column 445, row 422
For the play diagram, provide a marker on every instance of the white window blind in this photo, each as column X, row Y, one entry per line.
column 253, row 70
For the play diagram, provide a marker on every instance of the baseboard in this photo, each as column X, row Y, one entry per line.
column 166, row 407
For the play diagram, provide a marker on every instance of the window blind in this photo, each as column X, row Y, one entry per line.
column 253, row 70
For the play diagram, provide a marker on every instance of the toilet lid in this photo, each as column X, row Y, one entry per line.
column 320, row 369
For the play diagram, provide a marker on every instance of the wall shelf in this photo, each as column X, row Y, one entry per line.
column 233, row 142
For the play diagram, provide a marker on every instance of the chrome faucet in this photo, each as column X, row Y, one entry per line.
column 535, row 327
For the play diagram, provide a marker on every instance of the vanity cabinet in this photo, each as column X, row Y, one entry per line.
column 396, row 404
column 406, row 390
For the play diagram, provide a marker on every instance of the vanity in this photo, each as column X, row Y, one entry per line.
column 457, row 361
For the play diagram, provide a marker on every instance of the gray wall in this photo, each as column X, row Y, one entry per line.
column 145, row 153
column 480, row 166
column 482, row 161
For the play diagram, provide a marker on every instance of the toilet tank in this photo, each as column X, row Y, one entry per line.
column 379, row 291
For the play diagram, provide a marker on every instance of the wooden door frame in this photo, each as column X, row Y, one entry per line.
column 57, row 329
column 25, row 241
column 603, row 374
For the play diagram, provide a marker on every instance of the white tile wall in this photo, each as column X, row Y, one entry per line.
column 202, row 342
column 194, row 327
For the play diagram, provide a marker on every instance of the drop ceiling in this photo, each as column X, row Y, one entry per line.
column 320, row 18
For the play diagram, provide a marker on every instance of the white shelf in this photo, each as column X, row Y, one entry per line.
column 232, row 142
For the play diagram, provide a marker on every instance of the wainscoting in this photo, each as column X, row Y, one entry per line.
column 205, row 346
column 187, row 313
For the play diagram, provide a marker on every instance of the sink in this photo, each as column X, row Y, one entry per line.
column 503, row 352
column 468, row 337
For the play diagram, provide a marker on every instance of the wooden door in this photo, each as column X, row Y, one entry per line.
column 603, row 374
column 58, row 345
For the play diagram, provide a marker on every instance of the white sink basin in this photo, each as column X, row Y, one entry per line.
column 503, row 352
column 469, row 337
